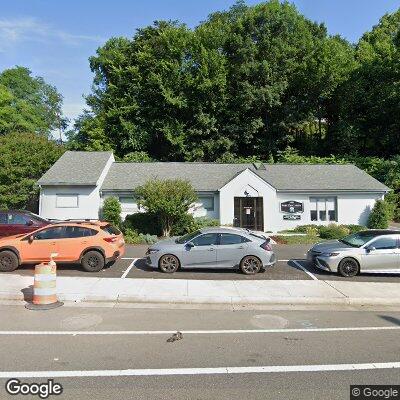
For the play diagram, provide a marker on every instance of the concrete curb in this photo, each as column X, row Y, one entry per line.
column 235, row 294
column 223, row 301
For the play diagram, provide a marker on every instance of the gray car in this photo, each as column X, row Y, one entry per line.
column 213, row 248
column 366, row 251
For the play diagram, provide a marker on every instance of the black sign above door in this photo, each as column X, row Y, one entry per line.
column 291, row 206
column 292, row 217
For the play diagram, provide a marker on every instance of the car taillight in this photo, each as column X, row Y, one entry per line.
column 111, row 239
column 266, row 246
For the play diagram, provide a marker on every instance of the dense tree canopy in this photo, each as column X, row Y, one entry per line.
column 28, row 104
column 245, row 82
column 24, row 158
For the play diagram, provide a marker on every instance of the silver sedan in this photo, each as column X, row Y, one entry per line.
column 213, row 248
column 367, row 251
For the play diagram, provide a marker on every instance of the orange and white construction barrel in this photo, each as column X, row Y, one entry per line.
column 45, row 287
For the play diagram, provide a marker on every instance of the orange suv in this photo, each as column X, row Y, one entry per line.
column 91, row 244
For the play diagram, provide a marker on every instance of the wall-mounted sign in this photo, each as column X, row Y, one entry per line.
column 291, row 206
column 292, row 217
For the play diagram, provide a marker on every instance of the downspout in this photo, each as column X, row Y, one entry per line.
column 40, row 200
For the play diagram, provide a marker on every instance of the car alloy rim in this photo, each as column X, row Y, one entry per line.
column 93, row 261
column 168, row 263
column 349, row 267
column 5, row 261
column 250, row 264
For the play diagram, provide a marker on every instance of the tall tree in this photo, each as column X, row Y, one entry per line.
column 24, row 158
column 28, row 104
column 247, row 82
column 370, row 100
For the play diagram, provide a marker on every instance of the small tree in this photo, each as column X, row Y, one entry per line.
column 380, row 215
column 169, row 199
column 112, row 210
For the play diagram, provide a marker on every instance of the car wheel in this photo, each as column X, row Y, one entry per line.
column 168, row 263
column 250, row 265
column 8, row 261
column 93, row 261
column 348, row 267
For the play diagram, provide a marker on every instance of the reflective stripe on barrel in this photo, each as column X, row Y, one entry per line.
column 44, row 288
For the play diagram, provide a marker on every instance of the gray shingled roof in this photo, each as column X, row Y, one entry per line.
column 213, row 176
column 203, row 176
column 76, row 168
column 319, row 177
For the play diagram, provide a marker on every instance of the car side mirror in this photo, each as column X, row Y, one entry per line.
column 370, row 248
column 29, row 223
column 190, row 244
column 30, row 239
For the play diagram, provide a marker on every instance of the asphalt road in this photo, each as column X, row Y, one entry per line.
column 125, row 342
column 285, row 269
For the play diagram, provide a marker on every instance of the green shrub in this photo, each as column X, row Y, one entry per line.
column 146, row 223
column 169, row 199
column 132, row 237
column 333, row 231
column 312, row 230
column 304, row 228
column 188, row 224
column 355, row 228
column 203, row 222
column 112, row 211
column 380, row 215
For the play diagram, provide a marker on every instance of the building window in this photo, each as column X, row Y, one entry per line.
column 323, row 209
column 67, row 200
column 207, row 202
column 126, row 200
column 128, row 203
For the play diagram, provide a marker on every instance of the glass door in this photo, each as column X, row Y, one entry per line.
column 249, row 213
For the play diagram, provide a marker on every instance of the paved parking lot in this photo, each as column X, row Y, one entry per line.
column 291, row 266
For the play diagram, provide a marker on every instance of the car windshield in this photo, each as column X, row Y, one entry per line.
column 358, row 239
column 187, row 238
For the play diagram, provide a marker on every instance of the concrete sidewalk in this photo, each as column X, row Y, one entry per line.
column 222, row 292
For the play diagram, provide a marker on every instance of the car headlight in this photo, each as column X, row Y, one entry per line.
column 330, row 254
column 151, row 251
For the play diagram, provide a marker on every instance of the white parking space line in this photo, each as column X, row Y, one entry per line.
column 304, row 269
column 200, row 371
column 128, row 258
column 205, row 332
column 129, row 268
column 283, row 260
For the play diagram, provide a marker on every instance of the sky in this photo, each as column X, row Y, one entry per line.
column 54, row 39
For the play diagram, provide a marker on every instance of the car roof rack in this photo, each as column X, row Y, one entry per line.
column 78, row 221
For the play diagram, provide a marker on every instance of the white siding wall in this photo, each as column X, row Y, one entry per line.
column 88, row 199
column 199, row 211
column 88, row 202
column 255, row 186
column 351, row 208
column 131, row 207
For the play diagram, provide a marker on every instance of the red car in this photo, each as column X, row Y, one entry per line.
column 13, row 222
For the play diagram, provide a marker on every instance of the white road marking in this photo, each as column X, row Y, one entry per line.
column 283, row 260
column 129, row 268
column 204, row 332
column 128, row 258
column 305, row 270
column 199, row 371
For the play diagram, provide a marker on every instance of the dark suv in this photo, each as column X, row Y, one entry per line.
column 13, row 222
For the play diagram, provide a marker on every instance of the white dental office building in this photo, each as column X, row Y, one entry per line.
column 263, row 197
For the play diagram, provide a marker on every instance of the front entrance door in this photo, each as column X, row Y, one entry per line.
column 249, row 213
